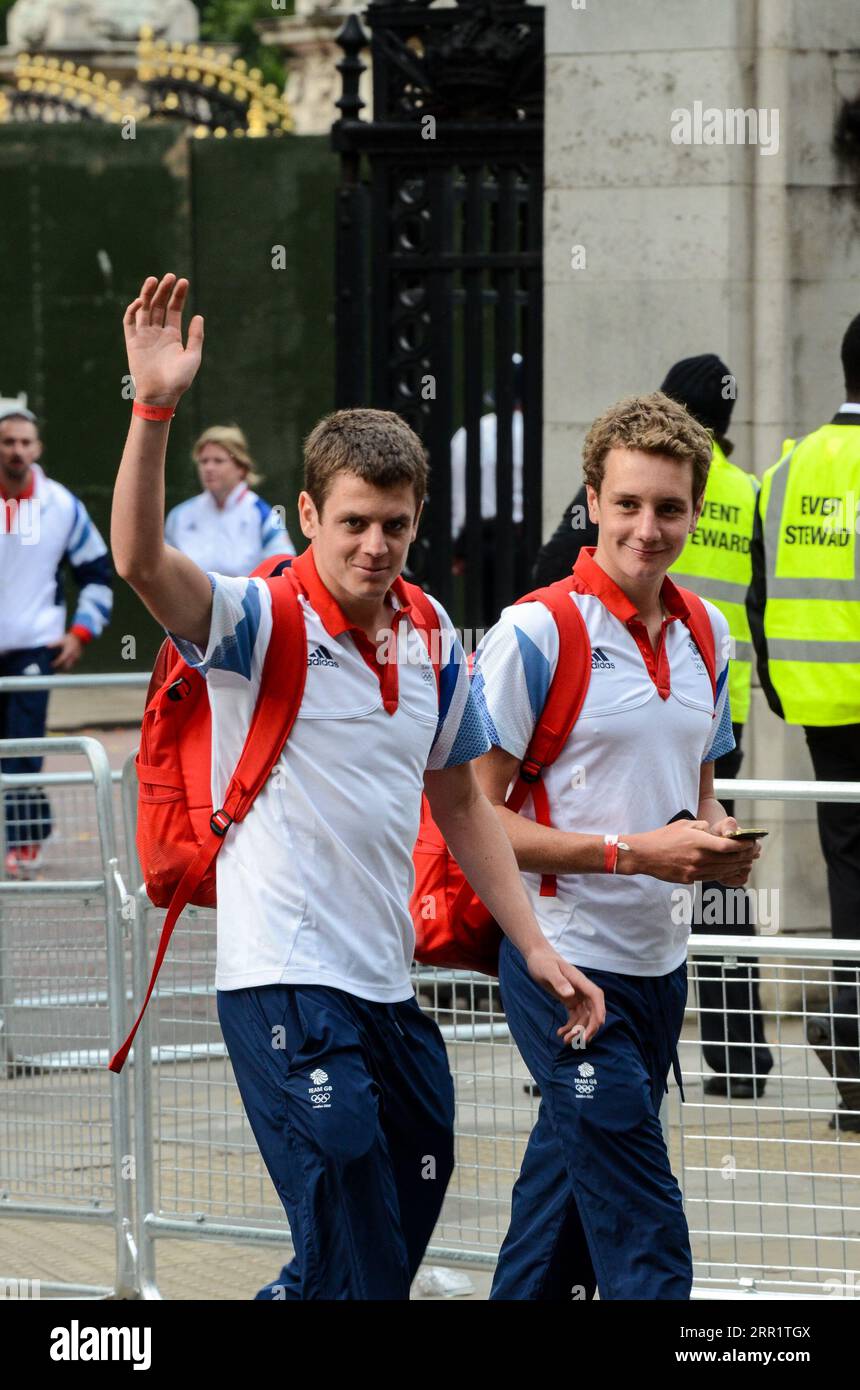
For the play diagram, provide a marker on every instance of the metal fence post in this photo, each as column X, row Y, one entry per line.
column 110, row 888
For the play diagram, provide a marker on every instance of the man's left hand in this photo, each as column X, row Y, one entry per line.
column 738, row 879
column 586, row 1011
column 68, row 651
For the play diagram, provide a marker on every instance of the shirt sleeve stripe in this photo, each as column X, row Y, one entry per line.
column 232, row 633
column 479, row 696
column 536, row 669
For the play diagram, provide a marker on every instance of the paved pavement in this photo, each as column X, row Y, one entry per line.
column 70, row 711
column 771, row 1192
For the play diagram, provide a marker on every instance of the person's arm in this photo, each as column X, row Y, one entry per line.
column 756, row 602
column 481, row 848
column 175, row 590
column 721, row 742
column 682, row 852
column 714, row 813
column 89, row 562
column 87, row 557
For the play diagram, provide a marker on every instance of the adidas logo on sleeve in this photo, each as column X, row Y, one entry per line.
column 321, row 656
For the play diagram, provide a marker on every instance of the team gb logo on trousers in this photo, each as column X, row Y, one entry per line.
column 320, row 1092
column 584, row 1084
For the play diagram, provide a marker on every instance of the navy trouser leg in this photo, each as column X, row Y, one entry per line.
column 23, row 714
column 545, row 1254
column 351, row 1104
column 418, row 1121
column 603, row 1107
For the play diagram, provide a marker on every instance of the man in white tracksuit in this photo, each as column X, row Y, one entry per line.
column 44, row 528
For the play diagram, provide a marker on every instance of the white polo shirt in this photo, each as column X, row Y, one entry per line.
column 314, row 885
column 232, row 539
column 632, row 762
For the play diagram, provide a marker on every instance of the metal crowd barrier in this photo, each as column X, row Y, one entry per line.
column 771, row 1192
column 752, row 1173
column 65, row 1121
column 73, row 845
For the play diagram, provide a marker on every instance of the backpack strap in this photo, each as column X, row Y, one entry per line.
column 426, row 620
column 702, row 633
column 282, row 685
column 564, row 701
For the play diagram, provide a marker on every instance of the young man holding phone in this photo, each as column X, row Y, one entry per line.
column 634, row 821
column 344, row 1079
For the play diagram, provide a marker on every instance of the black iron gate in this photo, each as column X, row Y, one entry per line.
column 439, row 273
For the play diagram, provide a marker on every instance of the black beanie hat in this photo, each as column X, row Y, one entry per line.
column 699, row 384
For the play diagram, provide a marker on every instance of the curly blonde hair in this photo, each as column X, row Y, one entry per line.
column 655, row 424
column 231, row 438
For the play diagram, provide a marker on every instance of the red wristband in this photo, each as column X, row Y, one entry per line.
column 82, row 633
column 610, row 853
column 153, row 412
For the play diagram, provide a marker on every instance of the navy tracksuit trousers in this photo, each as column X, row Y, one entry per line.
column 23, row 714
column 352, row 1106
column 596, row 1204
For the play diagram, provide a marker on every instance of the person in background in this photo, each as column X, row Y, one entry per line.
column 488, row 442
column 804, row 614
column 44, row 527
column 716, row 564
column 227, row 527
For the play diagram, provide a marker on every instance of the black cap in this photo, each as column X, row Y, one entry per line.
column 706, row 387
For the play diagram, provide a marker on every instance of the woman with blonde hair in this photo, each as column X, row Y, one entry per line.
column 227, row 527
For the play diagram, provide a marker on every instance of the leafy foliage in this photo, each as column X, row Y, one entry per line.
column 232, row 21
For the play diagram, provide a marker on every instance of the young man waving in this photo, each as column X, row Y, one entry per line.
column 344, row 1079
column 596, row 1203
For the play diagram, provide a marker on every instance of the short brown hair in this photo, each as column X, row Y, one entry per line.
column 376, row 445
column 655, row 424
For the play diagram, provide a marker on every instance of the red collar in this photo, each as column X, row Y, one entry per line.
column 21, row 496
column 324, row 603
column 589, row 578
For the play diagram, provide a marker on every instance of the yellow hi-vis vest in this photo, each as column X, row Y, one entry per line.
column 715, row 563
column 810, row 520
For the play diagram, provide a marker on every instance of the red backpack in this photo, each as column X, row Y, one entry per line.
column 453, row 929
column 179, row 833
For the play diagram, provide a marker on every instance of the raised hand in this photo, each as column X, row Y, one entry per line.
column 161, row 368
